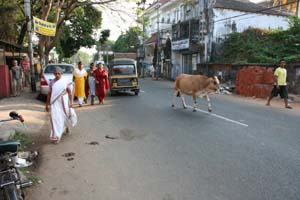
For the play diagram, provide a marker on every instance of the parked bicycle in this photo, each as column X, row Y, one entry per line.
column 11, row 186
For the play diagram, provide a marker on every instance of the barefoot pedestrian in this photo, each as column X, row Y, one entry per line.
column 102, row 83
column 17, row 78
column 79, row 77
column 59, row 103
column 92, row 83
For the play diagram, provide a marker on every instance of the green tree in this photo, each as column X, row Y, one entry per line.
column 79, row 31
column 128, row 42
column 9, row 15
column 84, row 57
column 262, row 46
column 101, row 41
column 56, row 11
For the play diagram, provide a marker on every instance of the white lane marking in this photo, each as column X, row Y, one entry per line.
column 142, row 91
column 220, row 117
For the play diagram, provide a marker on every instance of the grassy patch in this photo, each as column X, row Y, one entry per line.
column 24, row 140
column 31, row 177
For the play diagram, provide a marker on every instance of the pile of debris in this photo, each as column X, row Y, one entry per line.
column 255, row 81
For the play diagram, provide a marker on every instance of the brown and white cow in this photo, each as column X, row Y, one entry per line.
column 195, row 86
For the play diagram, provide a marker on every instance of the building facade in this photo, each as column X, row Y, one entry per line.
column 193, row 28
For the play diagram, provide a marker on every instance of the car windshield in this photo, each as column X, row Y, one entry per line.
column 123, row 70
column 66, row 69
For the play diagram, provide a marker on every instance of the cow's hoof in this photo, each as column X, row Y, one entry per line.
column 172, row 106
column 184, row 107
column 209, row 110
column 194, row 110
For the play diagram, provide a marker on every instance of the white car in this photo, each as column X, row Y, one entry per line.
column 48, row 75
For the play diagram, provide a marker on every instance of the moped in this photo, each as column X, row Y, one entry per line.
column 11, row 186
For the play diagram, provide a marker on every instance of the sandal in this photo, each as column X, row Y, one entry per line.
column 56, row 141
column 288, row 107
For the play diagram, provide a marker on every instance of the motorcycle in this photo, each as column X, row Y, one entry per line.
column 11, row 185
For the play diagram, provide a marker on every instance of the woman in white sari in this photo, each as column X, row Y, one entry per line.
column 60, row 100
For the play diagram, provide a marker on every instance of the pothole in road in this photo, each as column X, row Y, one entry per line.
column 129, row 134
column 69, row 156
column 93, row 143
column 111, row 137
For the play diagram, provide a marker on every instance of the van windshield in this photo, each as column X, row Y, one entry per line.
column 66, row 69
column 123, row 69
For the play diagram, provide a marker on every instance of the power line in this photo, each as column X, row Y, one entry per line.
column 259, row 11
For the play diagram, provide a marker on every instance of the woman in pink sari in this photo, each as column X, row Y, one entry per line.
column 102, row 83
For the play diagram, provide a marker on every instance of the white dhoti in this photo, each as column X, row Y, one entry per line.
column 92, row 84
column 60, row 110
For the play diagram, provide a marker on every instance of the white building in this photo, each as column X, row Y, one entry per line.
column 195, row 25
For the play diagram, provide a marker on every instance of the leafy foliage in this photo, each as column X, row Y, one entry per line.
column 102, row 43
column 24, row 140
column 79, row 30
column 128, row 42
column 9, row 19
column 262, row 46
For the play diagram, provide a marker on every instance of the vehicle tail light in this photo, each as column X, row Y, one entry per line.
column 43, row 80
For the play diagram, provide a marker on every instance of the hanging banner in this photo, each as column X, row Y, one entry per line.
column 43, row 27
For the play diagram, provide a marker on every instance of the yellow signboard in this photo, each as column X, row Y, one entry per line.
column 43, row 27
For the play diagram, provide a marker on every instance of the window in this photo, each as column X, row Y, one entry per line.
column 168, row 17
column 123, row 69
column 66, row 69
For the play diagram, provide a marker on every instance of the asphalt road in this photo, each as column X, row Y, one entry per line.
column 245, row 151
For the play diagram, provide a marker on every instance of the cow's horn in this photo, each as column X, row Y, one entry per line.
column 216, row 79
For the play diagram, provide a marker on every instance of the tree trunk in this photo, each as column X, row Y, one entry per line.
column 22, row 34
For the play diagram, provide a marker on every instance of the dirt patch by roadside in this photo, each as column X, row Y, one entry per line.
column 33, row 111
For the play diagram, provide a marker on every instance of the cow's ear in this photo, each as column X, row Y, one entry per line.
column 213, row 81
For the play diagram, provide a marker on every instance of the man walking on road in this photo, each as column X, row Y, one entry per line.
column 280, row 86
column 17, row 78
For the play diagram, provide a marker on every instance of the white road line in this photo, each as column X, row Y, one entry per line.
column 219, row 116
column 142, row 91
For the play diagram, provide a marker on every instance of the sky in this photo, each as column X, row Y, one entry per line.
column 119, row 23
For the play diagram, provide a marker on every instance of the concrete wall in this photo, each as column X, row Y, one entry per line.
column 254, row 20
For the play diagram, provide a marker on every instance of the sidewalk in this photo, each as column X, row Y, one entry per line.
column 31, row 109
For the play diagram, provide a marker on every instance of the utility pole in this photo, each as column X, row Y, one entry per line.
column 297, row 9
column 143, row 38
column 142, row 44
column 158, row 41
column 106, row 55
column 30, row 51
